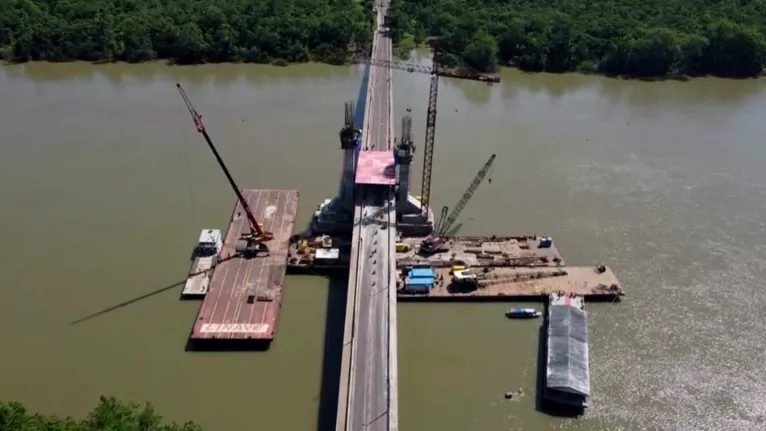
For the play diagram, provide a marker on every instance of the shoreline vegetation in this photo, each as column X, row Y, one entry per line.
column 630, row 38
column 188, row 32
column 110, row 414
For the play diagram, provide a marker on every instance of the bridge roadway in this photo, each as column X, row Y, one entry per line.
column 368, row 389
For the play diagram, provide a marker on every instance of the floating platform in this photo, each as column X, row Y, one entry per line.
column 494, row 251
column 524, row 283
column 245, row 295
column 320, row 254
column 198, row 282
column 204, row 258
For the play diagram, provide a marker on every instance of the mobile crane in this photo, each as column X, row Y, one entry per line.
column 252, row 243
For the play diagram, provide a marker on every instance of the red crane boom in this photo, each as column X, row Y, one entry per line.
column 435, row 71
column 257, row 235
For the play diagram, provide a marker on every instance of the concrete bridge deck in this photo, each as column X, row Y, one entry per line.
column 368, row 396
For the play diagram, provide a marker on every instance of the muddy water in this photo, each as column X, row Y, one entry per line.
column 106, row 185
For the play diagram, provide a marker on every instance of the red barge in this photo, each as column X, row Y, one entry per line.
column 245, row 293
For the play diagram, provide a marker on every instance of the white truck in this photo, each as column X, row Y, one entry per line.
column 204, row 259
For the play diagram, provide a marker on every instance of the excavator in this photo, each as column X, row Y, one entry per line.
column 437, row 240
column 252, row 243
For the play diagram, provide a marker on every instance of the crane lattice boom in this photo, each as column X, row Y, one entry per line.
column 257, row 234
column 467, row 195
column 442, row 219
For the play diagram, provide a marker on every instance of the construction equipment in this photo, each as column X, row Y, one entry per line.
column 442, row 219
column 435, row 71
column 436, row 240
column 467, row 277
column 349, row 134
column 402, row 247
column 251, row 243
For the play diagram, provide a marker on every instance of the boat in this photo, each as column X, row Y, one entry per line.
column 522, row 313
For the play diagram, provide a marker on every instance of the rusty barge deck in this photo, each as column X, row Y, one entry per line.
column 245, row 295
column 507, row 268
column 524, row 284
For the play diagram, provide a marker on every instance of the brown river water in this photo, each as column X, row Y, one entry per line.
column 106, row 185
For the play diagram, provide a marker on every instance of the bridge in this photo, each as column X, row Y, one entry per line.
column 368, row 387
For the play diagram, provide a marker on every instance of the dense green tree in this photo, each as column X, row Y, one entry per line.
column 640, row 38
column 110, row 414
column 184, row 31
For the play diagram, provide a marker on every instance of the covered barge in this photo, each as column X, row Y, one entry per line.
column 567, row 372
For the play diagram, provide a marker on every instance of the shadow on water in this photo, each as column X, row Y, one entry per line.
column 361, row 99
column 141, row 297
column 333, row 352
column 128, row 302
column 229, row 345
column 541, row 405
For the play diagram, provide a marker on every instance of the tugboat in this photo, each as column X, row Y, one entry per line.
column 522, row 313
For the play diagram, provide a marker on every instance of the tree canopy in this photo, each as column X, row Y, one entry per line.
column 185, row 31
column 639, row 38
column 110, row 414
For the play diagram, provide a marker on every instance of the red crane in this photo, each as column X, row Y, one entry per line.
column 250, row 243
column 435, row 71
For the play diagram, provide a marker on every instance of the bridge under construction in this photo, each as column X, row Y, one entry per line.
column 383, row 231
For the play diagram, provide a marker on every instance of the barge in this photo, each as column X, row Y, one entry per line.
column 204, row 258
column 567, row 372
column 245, row 296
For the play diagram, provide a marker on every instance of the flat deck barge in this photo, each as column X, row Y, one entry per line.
column 496, row 251
column 520, row 284
column 245, row 295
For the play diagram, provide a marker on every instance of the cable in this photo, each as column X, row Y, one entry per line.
column 188, row 172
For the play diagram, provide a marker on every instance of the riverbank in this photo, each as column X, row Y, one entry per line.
column 635, row 39
column 187, row 32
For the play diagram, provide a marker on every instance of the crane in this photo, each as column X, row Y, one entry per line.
column 250, row 243
column 442, row 218
column 435, row 70
column 436, row 240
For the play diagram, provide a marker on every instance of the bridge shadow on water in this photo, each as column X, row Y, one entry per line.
column 333, row 351
column 361, row 99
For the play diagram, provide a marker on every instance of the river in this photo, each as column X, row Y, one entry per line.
column 107, row 184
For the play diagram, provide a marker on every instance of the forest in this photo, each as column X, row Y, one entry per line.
column 636, row 38
column 633, row 38
column 110, row 414
column 185, row 31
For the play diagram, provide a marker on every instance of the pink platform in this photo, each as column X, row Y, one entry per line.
column 376, row 167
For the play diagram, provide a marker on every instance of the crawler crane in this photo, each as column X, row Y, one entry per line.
column 251, row 243
column 436, row 241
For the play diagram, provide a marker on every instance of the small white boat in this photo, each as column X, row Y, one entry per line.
column 522, row 313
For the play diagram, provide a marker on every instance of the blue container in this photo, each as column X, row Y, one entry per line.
column 422, row 273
